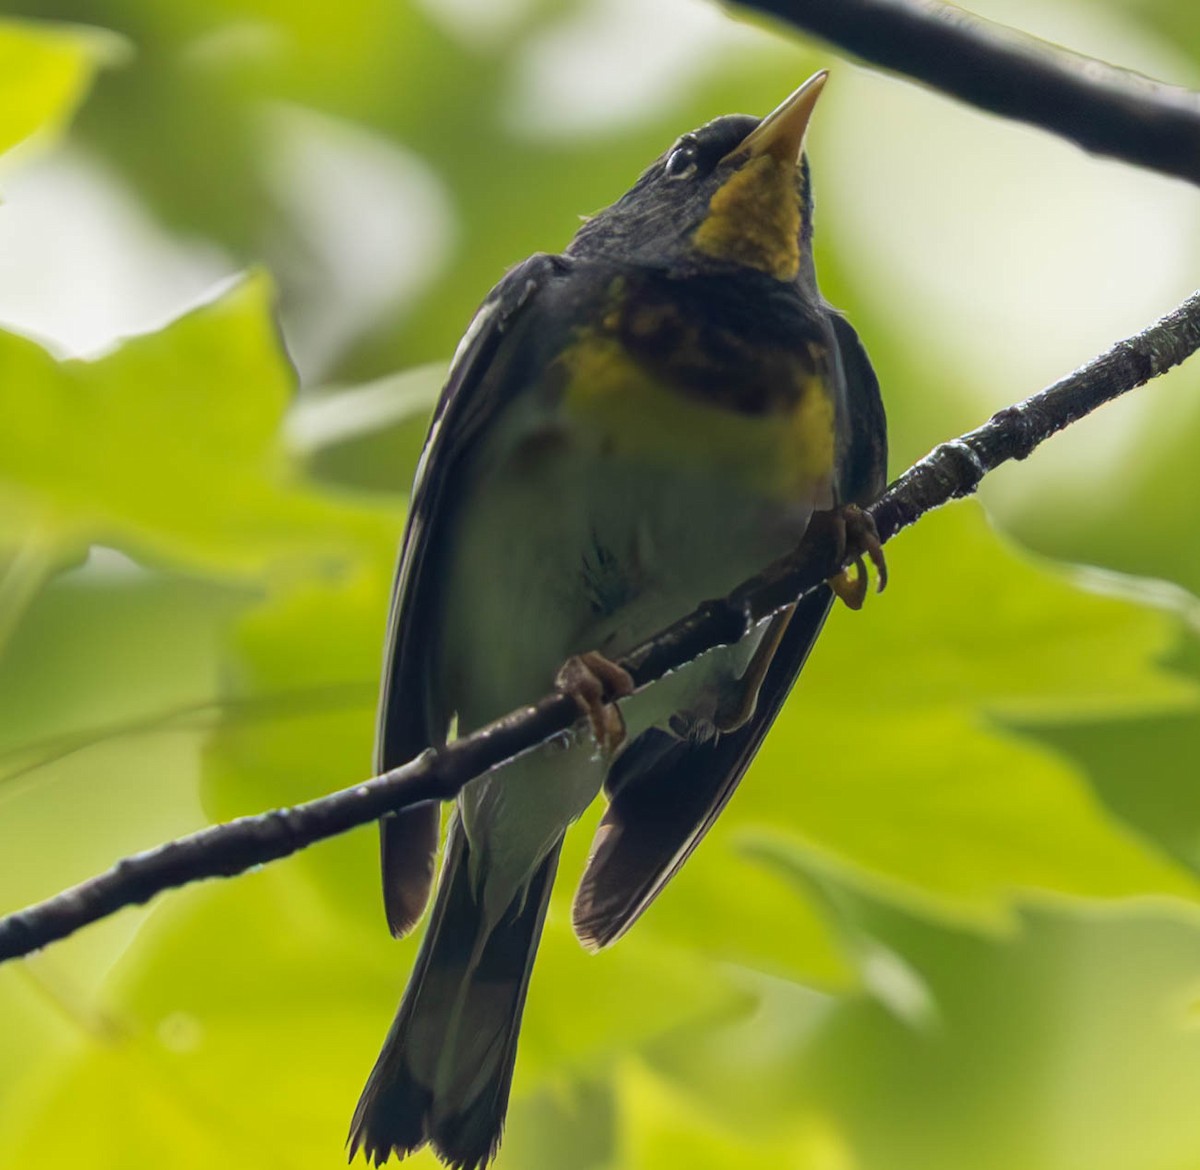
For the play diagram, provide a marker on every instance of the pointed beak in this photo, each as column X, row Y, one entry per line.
column 781, row 132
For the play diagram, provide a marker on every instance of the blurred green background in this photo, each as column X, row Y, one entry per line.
column 952, row 918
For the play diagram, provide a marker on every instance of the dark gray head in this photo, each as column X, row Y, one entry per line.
column 732, row 194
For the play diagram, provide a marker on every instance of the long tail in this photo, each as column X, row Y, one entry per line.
column 445, row 1071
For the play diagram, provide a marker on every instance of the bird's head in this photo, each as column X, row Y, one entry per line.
column 732, row 194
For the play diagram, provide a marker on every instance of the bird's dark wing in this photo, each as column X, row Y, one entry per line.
column 862, row 465
column 481, row 379
column 665, row 792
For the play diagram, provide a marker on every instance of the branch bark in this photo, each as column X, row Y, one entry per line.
column 1102, row 108
column 949, row 472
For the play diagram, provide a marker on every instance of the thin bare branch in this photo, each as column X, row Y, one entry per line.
column 950, row 471
column 1102, row 108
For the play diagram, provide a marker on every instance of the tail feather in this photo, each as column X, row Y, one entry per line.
column 445, row 1071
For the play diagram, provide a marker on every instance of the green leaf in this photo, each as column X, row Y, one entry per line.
column 304, row 664
column 661, row 1125
column 105, row 690
column 169, row 448
column 101, row 655
column 727, row 909
column 1065, row 1043
column 1136, row 518
column 247, row 1015
column 46, row 71
column 313, row 650
column 893, row 764
column 1144, row 768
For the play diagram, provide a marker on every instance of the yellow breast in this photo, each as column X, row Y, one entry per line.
column 785, row 453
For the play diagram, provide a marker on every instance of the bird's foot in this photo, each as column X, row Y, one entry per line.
column 858, row 537
column 737, row 709
column 585, row 677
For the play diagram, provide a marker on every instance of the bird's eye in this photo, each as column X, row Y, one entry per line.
column 681, row 162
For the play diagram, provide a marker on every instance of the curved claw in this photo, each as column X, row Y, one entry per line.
column 851, row 589
column 858, row 537
column 585, row 678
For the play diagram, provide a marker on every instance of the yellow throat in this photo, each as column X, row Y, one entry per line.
column 754, row 218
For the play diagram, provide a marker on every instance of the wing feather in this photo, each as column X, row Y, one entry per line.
column 410, row 717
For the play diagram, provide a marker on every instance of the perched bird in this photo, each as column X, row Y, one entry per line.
column 628, row 428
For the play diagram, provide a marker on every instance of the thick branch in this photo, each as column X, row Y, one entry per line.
column 952, row 470
column 1104, row 109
